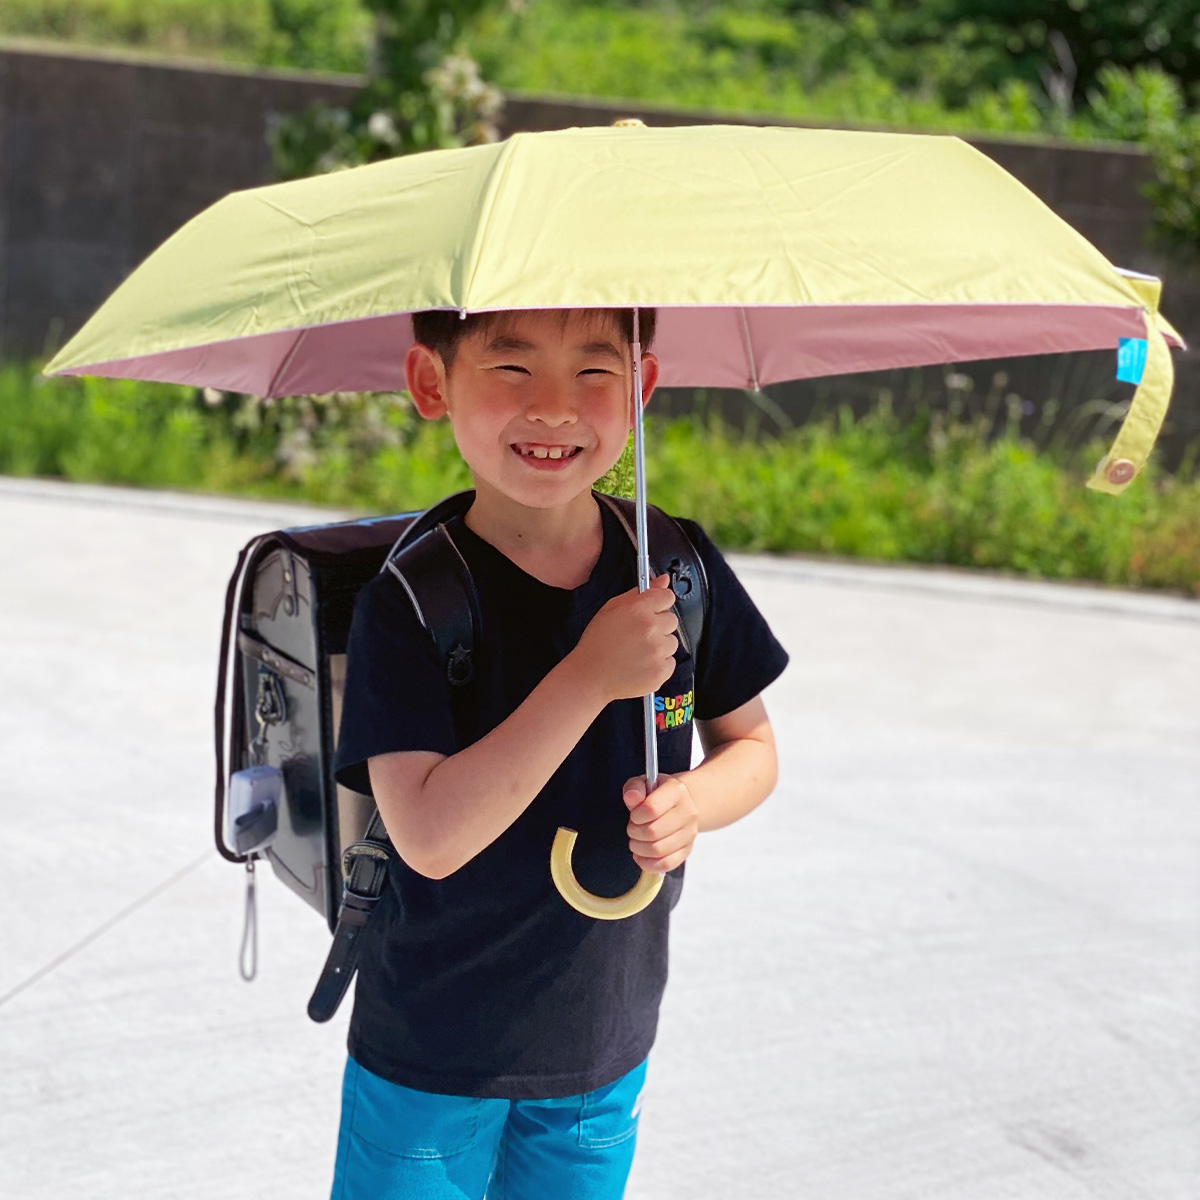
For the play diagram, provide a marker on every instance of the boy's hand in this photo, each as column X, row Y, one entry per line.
column 628, row 648
column 663, row 825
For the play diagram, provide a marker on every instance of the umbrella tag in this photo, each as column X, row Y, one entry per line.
column 1131, row 359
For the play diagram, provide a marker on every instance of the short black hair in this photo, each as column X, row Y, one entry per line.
column 442, row 329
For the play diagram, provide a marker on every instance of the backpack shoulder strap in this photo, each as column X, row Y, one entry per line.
column 671, row 552
column 364, row 875
column 438, row 581
column 430, row 568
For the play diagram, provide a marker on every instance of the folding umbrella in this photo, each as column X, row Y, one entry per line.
column 770, row 254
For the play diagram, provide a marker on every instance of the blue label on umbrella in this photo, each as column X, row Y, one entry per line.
column 1131, row 359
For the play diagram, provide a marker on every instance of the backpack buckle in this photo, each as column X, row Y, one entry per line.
column 458, row 666
column 681, row 578
column 363, row 850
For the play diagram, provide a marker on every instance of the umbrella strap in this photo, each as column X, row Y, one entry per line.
column 1117, row 469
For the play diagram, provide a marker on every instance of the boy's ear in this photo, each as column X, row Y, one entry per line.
column 649, row 377
column 425, row 375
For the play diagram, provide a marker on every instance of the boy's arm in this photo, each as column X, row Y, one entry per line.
column 740, row 768
column 738, row 773
column 442, row 811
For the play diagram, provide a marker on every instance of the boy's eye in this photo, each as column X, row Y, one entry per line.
column 512, row 367
column 595, row 371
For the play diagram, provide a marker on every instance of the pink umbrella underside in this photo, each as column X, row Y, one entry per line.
column 697, row 347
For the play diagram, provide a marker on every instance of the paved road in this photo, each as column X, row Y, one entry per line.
column 955, row 957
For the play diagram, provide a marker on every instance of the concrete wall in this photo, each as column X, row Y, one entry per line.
column 102, row 157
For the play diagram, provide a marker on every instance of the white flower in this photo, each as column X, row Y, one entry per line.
column 382, row 127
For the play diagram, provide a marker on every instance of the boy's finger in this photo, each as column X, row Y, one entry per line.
column 651, row 808
column 666, row 825
column 634, row 791
column 661, row 847
column 660, row 866
column 658, row 595
column 657, row 803
column 659, row 599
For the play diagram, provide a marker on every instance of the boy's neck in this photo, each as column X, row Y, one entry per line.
column 559, row 546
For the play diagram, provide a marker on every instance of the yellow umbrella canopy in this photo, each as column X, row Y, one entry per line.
column 770, row 254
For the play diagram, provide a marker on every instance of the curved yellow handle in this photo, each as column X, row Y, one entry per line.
column 602, row 908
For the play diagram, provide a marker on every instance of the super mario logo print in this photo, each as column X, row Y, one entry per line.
column 672, row 711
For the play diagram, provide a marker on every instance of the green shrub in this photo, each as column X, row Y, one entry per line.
column 804, row 64
column 1087, row 70
column 944, row 66
column 326, row 35
column 932, row 489
column 1175, row 191
column 930, row 492
column 1147, row 105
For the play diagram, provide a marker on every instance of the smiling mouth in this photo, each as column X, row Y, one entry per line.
column 540, row 450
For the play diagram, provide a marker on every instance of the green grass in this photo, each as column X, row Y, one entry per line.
column 326, row 35
column 925, row 490
column 931, row 492
column 799, row 61
column 805, row 65
column 357, row 452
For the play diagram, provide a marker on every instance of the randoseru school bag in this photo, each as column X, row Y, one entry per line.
column 279, row 691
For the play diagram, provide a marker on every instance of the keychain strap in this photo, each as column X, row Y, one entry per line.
column 249, row 927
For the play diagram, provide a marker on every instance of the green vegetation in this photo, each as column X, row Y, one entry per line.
column 356, row 451
column 1024, row 65
column 934, row 489
column 422, row 93
column 1003, row 65
column 328, row 35
column 1071, row 68
column 930, row 491
column 1083, row 69
column 805, row 63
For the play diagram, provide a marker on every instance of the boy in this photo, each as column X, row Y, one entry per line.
column 499, row 1037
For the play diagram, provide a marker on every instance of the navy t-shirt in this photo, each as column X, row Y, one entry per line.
column 487, row 983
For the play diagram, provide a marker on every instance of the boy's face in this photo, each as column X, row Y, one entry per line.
column 540, row 402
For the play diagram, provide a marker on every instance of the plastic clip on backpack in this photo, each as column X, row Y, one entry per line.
column 283, row 655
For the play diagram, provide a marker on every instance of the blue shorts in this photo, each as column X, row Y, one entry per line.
column 395, row 1143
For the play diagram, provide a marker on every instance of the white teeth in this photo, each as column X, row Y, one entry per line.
column 546, row 451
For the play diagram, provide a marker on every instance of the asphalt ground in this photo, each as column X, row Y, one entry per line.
column 956, row 955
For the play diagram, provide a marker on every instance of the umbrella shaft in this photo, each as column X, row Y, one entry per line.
column 643, row 548
column 639, row 467
column 651, row 743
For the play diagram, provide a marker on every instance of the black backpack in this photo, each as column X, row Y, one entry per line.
column 278, row 706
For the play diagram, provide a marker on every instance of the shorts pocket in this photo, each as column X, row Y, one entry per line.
column 407, row 1123
column 609, row 1115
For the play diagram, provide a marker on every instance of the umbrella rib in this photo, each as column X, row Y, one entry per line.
column 749, row 350
column 487, row 209
column 283, row 366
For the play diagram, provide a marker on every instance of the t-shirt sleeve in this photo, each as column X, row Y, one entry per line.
column 396, row 696
column 738, row 654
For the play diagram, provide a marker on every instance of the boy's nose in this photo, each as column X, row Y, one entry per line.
column 551, row 408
